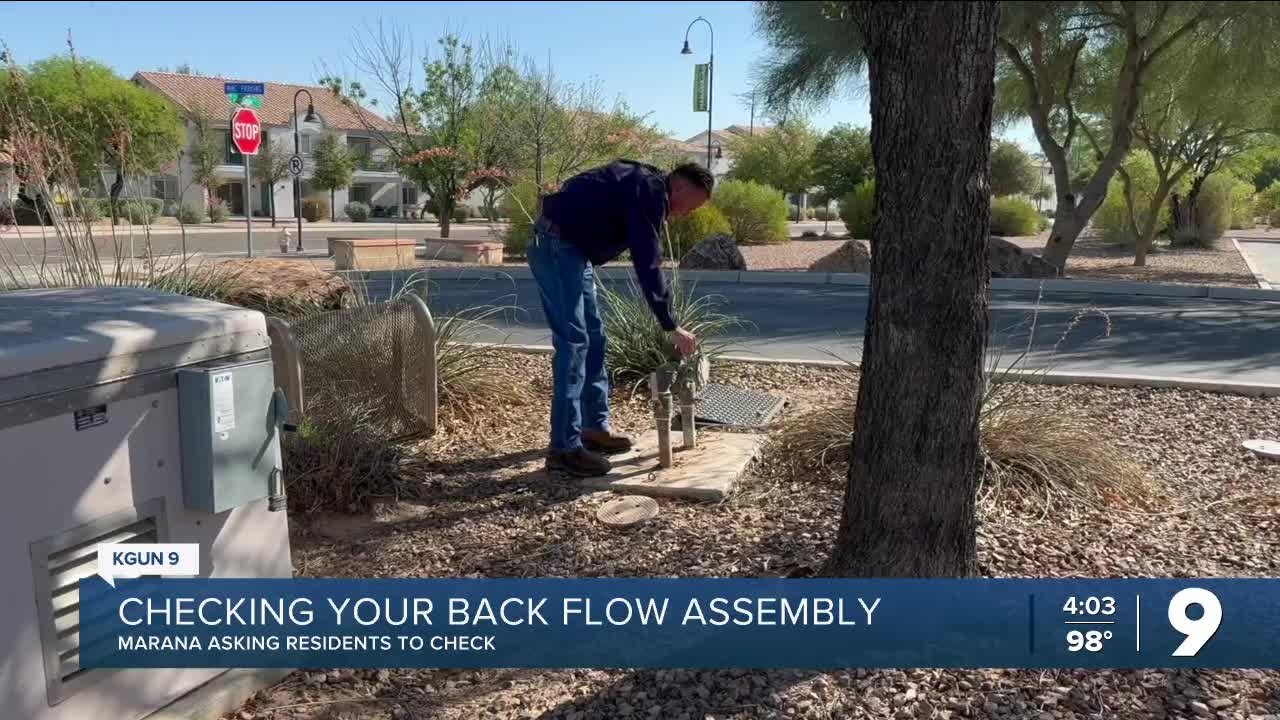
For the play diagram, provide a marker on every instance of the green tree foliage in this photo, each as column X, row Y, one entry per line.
column 756, row 213
column 271, row 166
column 114, row 124
column 1076, row 70
column 781, row 158
column 205, row 154
column 684, row 232
column 333, row 166
column 1013, row 217
column 842, row 160
column 1128, row 206
column 857, row 209
column 1012, row 170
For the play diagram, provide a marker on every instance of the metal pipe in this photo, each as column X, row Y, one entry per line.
column 662, row 416
column 686, row 416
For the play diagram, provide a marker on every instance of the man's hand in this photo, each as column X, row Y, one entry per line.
column 684, row 341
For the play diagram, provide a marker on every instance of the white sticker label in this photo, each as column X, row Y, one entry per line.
column 224, row 403
column 130, row 560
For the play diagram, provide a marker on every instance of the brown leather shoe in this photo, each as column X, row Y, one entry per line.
column 580, row 462
column 603, row 441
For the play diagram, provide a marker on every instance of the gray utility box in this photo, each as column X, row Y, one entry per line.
column 230, row 446
column 106, row 436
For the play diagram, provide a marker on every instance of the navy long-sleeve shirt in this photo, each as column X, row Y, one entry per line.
column 620, row 206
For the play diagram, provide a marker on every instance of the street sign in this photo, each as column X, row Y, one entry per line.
column 700, row 73
column 246, row 131
column 249, row 101
column 295, row 165
column 241, row 88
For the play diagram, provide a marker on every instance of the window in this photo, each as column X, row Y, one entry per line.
column 409, row 195
column 232, row 156
column 362, row 151
column 360, row 193
column 304, row 143
column 165, row 188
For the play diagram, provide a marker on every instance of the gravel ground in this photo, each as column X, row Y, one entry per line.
column 488, row 513
column 1093, row 260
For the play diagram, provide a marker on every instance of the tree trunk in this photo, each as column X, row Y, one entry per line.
column 117, row 186
column 273, row 206
column 446, row 214
column 333, row 211
column 1185, row 216
column 909, row 506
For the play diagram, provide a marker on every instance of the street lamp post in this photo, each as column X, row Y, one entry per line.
column 297, row 150
column 711, row 74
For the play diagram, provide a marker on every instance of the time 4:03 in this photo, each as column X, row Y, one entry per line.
column 1090, row 606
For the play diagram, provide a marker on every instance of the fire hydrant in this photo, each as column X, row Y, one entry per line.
column 686, row 377
column 284, row 240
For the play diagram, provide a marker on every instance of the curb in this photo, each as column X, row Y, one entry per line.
column 773, row 277
column 1257, row 276
column 1031, row 377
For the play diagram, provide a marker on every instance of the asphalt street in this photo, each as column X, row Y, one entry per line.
column 1211, row 339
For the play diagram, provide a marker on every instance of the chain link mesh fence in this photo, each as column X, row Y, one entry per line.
column 368, row 367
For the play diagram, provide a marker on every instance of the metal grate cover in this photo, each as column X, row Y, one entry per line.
column 728, row 406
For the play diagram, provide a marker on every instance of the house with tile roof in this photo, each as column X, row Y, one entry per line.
column 376, row 181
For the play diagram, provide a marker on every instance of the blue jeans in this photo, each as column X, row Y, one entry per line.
column 580, row 385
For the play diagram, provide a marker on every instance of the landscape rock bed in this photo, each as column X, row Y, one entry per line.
column 488, row 512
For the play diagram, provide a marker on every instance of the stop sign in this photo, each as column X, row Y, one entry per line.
column 246, row 132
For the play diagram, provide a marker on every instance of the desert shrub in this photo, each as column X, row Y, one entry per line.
column 684, row 232
column 170, row 209
column 637, row 343
column 6, row 216
column 1112, row 221
column 1268, row 200
column 461, row 213
column 218, row 211
column 156, row 205
column 1032, row 450
column 84, row 209
column 521, row 205
column 858, row 208
column 356, row 211
column 190, row 215
column 1242, row 205
column 757, row 214
column 104, row 206
column 1213, row 214
column 810, row 213
column 315, row 209
column 1013, row 216
column 1273, row 219
column 140, row 213
column 823, row 214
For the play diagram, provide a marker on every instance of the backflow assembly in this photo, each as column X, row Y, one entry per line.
column 685, row 378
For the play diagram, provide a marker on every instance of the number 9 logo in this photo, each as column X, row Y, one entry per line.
column 1198, row 630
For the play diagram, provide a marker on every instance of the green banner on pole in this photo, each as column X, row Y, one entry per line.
column 700, row 73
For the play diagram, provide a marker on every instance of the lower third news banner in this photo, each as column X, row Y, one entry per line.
column 680, row 623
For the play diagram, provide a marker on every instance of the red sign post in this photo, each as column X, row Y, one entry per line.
column 246, row 131
column 246, row 135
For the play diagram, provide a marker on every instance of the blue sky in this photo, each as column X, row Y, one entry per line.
column 632, row 48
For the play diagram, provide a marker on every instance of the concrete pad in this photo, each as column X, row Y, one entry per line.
column 706, row 472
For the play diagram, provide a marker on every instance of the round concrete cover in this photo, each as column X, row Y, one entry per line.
column 629, row 510
column 1265, row 448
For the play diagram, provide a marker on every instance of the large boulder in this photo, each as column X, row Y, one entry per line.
column 718, row 252
column 851, row 257
column 1007, row 260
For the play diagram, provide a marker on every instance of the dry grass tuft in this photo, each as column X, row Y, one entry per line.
column 337, row 466
column 1032, row 452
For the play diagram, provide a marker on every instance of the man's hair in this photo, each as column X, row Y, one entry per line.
column 697, row 175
